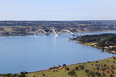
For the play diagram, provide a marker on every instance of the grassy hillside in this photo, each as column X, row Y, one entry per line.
column 101, row 68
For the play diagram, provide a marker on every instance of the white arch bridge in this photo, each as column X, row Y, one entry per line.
column 53, row 30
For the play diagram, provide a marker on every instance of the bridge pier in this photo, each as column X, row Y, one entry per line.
column 56, row 35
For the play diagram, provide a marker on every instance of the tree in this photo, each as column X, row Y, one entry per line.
column 23, row 74
column 76, row 68
column 105, row 65
column 97, row 68
column 43, row 74
column 111, row 75
column 86, row 70
column 72, row 73
column 103, row 74
column 82, row 67
column 64, row 65
column 67, row 68
column 92, row 74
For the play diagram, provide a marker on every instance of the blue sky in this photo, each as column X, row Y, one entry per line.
column 57, row 9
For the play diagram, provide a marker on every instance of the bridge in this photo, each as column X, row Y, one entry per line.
column 54, row 31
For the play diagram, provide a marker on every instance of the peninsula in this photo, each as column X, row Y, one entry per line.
column 105, row 42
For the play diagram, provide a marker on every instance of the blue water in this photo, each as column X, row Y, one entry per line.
column 29, row 53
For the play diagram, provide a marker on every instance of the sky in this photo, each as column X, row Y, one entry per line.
column 58, row 10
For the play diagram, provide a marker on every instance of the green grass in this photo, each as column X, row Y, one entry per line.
column 89, row 44
column 91, row 66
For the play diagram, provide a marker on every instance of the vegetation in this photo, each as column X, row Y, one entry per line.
column 29, row 27
column 22, row 74
column 101, row 68
column 106, row 42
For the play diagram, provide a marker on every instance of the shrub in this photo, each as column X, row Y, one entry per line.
column 72, row 73
column 67, row 68
column 64, row 65
column 76, row 68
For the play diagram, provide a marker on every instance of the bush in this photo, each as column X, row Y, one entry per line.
column 67, row 68
column 86, row 70
column 76, row 68
column 43, row 74
column 64, row 65
column 72, row 73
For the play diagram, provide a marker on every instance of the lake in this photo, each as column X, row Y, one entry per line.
column 29, row 53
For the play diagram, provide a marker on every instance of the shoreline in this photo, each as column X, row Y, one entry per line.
column 77, row 42
column 67, row 65
column 93, row 46
column 50, row 71
column 28, row 33
column 75, row 63
column 46, row 71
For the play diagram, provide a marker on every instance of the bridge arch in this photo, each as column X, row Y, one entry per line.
column 41, row 31
column 53, row 30
column 66, row 30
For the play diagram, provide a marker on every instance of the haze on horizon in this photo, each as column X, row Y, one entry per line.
column 57, row 9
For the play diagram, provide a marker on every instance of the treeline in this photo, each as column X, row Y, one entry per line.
column 56, row 23
column 101, row 68
column 21, row 74
column 98, row 37
column 73, row 26
column 104, row 41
